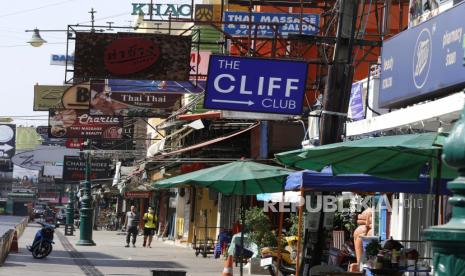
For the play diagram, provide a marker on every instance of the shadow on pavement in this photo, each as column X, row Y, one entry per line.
column 96, row 258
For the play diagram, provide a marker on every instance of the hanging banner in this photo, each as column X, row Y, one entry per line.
column 284, row 3
column 131, row 104
column 77, row 97
column 74, row 168
column 256, row 85
column 72, row 123
column 7, row 146
column 285, row 24
column 425, row 61
column 356, row 106
column 199, row 65
column 48, row 96
column 146, row 86
column 131, row 56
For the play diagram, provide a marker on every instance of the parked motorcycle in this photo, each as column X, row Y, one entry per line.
column 42, row 245
column 288, row 258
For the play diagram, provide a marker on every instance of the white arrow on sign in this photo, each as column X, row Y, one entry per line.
column 5, row 147
column 249, row 103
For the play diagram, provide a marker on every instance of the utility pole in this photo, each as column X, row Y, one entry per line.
column 337, row 91
column 337, row 94
column 86, row 211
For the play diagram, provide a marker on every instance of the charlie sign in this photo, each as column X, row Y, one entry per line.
column 255, row 85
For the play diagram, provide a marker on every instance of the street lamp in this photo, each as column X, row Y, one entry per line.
column 86, row 211
column 36, row 39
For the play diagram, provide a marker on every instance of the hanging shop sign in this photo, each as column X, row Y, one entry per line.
column 132, row 56
column 283, row 24
column 425, row 61
column 47, row 141
column 284, row 3
column 173, row 10
column 255, row 85
column 137, row 194
column 77, row 97
column 7, row 146
column 72, row 123
column 199, row 65
column 147, row 86
column 74, row 168
column 356, row 106
column 207, row 13
column 61, row 60
column 48, row 96
column 131, row 104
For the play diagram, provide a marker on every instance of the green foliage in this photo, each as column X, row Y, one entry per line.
column 259, row 227
column 373, row 248
column 294, row 222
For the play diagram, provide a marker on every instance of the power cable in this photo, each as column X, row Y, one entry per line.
column 34, row 9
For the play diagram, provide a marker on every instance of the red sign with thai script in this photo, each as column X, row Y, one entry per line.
column 130, row 55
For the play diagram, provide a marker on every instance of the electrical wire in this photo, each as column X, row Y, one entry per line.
column 24, row 45
column 35, row 9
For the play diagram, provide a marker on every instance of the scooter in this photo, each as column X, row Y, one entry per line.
column 288, row 258
column 43, row 240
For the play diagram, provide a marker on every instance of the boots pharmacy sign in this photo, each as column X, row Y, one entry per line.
column 173, row 10
column 255, row 85
column 425, row 61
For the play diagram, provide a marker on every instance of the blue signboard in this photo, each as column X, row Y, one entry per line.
column 255, row 85
column 357, row 109
column 424, row 61
column 156, row 86
column 287, row 23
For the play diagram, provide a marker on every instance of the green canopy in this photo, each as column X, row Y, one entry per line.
column 239, row 178
column 395, row 157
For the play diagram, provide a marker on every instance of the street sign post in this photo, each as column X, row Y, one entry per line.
column 256, row 85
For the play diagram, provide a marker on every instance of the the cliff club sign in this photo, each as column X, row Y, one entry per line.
column 175, row 10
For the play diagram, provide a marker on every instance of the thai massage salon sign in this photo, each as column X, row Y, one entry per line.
column 425, row 61
column 255, row 85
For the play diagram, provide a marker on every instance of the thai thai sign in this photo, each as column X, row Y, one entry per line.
column 255, row 85
column 131, row 56
column 273, row 24
column 131, row 104
column 7, row 146
column 72, row 123
column 156, row 86
column 424, row 61
column 74, row 168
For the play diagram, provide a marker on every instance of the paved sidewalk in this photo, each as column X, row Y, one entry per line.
column 108, row 257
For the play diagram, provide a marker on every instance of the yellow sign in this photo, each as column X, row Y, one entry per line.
column 207, row 12
column 48, row 96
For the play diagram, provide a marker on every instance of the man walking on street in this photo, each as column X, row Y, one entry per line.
column 131, row 224
column 150, row 220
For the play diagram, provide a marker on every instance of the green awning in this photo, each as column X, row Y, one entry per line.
column 238, row 178
column 395, row 157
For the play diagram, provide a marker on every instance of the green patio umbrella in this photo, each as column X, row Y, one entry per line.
column 395, row 157
column 241, row 177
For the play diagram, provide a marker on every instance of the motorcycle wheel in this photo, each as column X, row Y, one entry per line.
column 42, row 251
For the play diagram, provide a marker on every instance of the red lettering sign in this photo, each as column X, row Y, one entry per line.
column 130, row 55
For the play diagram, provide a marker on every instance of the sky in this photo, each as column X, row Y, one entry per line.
column 22, row 66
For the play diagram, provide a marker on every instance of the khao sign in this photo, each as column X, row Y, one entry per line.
column 162, row 9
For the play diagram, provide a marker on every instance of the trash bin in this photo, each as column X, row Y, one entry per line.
column 168, row 272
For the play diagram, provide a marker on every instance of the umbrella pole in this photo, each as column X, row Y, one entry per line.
column 280, row 233
column 299, row 230
column 437, row 182
column 241, row 258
